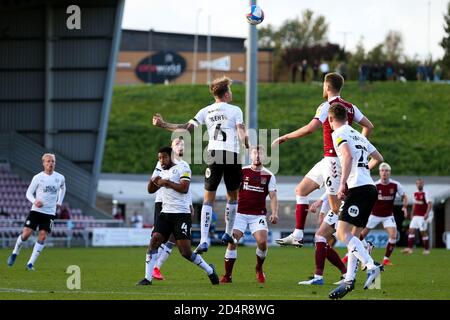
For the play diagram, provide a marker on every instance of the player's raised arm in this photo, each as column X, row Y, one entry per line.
column 158, row 121
column 312, row 126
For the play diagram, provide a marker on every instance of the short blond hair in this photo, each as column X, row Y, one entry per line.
column 46, row 155
column 220, row 86
column 385, row 166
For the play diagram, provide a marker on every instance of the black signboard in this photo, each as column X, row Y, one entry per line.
column 161, row 67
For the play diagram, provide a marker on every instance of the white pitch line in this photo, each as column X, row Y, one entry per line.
column 29, row 291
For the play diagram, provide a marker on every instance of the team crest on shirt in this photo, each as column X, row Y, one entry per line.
column 263, row 180
column 391, row 191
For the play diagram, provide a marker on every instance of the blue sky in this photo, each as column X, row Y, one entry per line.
column 348, row 20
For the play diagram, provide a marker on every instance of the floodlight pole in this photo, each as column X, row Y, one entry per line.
column 251, row 94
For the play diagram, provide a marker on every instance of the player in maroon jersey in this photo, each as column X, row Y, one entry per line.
column 327, row 171
column 257, row 184
column 382, row 212
column 420, row 213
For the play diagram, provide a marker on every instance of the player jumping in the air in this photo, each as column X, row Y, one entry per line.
column 327, row 171
column 225, row 128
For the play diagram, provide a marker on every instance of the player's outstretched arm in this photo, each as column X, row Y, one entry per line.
column 158, row 121
column 273, row 206
column 303, row 131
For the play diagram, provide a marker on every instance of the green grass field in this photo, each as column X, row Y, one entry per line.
column 111, row 273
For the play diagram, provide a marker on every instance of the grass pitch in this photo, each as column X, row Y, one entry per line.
column 111, row 273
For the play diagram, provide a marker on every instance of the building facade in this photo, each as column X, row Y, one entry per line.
column 161, row 57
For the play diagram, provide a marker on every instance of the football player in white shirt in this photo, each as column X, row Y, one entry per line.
column 166, row 248
column 46, row 193
column 175, row 217
column 354, row 150
column 226, row 127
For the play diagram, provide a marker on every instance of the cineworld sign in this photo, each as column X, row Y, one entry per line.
column 162, row 66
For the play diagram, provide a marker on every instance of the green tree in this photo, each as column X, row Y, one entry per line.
column 376, row 55
column 356, row 59
column 304, row 32
column 393, row 46
column 445, row 43
column 267, row 37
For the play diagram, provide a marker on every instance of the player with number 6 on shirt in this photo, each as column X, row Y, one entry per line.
column 354, row 151
column 226, row 128
column 46, row 193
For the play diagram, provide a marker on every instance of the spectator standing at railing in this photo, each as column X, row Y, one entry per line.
column 137, row 221
column 64, row 213
column 46, row 193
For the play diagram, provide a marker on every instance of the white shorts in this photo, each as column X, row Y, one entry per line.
column 327, row 172
column 331, row 219
column 418, row 222
column 254, row 222
column 325, row 207
column 388, row 222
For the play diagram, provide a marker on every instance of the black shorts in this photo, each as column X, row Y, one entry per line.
column 226, row 164
column 37, row 219
column 158, row 208
column 358, row 205
column 177, row 223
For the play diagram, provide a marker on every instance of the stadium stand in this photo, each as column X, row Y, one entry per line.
column 15, row 207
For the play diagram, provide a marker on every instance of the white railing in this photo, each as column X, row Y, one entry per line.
column 64, row 232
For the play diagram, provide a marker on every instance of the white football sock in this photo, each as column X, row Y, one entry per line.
column 205, row 221
column 150, row 261
column 38, row 247
column 18, row 246
column 298, row 234
column 352, row 267
column 230, row 215
column 164, row 254
column 198, row 260
column 356, row 247
column 231, row 254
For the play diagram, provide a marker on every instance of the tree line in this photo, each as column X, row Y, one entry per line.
column 302, row 44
